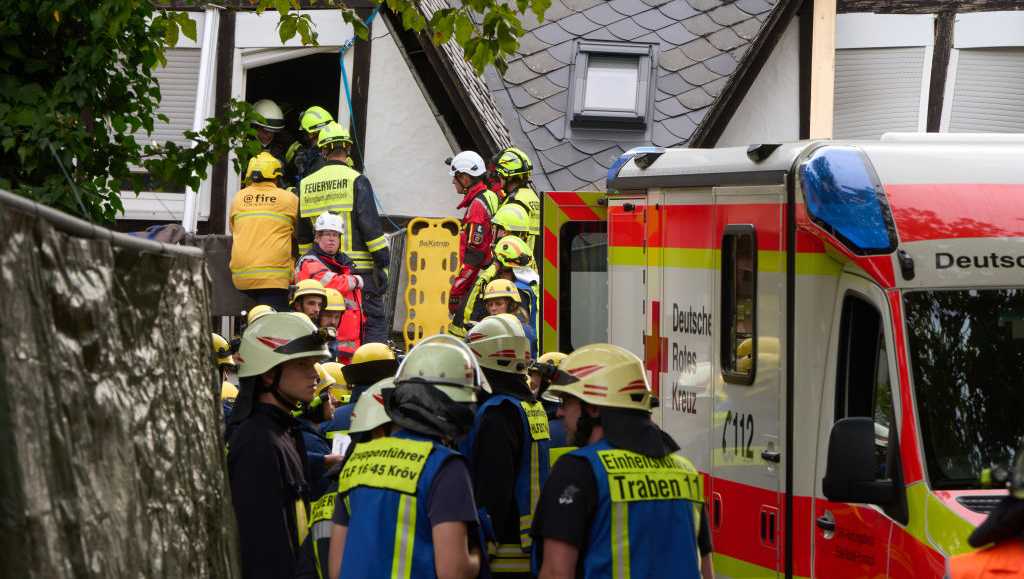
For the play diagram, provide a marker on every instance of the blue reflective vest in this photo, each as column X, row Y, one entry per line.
column 384, row 485
column 648, row 515
column 317, row 447
column 340, row 422
column 527, row 284
column 530, row 475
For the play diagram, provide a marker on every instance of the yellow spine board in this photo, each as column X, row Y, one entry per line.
column 431, row 261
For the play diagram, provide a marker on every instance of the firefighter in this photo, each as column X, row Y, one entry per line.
column 408, row 498
column 331, row 318
column 369, row 422
column 585, row 526
column 266, row 455
column 269, row 132
column 468, row 175
column 508, row 445
column 1003, row 531
column 512, row 219
column 501, row 296
column 257, row 311
column 326, row 263
column 310, row 299
column 541, row 373
column 304, row 155
column 340, row 390
column 318, row 448
column 341, row 189
column 262, row 222
column 513, row 168
column 511, row 262
column 370, row 364
column 225, row 365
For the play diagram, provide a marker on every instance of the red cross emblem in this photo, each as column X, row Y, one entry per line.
column 655, row 349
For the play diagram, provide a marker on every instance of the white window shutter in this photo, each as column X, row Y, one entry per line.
column 878, row 90
column 179, row 82
column 989, row 93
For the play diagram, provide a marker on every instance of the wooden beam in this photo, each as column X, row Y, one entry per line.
column 219, row 176
column 944, row 24
column 360, row 87
column 823, row 69
column 806, row 23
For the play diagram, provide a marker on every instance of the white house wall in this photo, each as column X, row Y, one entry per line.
column 770, row 112
column 405, row 147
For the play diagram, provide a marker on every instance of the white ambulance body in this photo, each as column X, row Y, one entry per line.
column 865, row 292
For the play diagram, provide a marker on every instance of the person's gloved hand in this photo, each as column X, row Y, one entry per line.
column 380, row 278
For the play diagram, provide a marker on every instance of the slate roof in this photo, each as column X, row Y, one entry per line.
column 472, row 86
column 700, row 44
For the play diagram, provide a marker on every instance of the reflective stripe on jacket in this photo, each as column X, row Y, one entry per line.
column 648, row 515
column 385, row 485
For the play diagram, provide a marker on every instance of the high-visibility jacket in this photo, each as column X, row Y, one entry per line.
column 262, row 221
column 530, row 201
column 1004, row 560
column 476, row 237
column 384, row 485
column 648, row 515
column 472, row 308
column 338, row 188
column 320, row 527
column 336, row 272
column 531, row 472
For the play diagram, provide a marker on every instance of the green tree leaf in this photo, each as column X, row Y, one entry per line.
column 463, row 28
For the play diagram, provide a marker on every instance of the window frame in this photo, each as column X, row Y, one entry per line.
column 637, row 119
column 727, row 298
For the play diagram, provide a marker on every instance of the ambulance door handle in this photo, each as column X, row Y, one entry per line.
column 826, row 523
column 771, row 456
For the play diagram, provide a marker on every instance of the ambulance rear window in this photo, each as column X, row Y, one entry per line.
column 738, row 299
column 583, row 277
column 843, row 195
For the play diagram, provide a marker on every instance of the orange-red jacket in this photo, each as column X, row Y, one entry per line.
column 1004, row 560
column 475, row 240
column 336, row 272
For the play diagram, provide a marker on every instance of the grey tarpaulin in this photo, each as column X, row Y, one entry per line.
column 225, row 299
column 111, row 459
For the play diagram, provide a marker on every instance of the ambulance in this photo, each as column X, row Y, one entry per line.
column 835, row 331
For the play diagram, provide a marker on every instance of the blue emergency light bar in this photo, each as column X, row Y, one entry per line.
column 844, row 196
column 644, row 156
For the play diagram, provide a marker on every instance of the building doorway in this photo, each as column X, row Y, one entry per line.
column 297, row 84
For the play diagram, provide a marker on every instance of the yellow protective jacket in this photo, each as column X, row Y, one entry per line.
column 338, row 188
column 262, row 222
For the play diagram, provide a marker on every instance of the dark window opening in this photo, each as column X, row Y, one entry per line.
column 863, row 387
column 739, row 304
